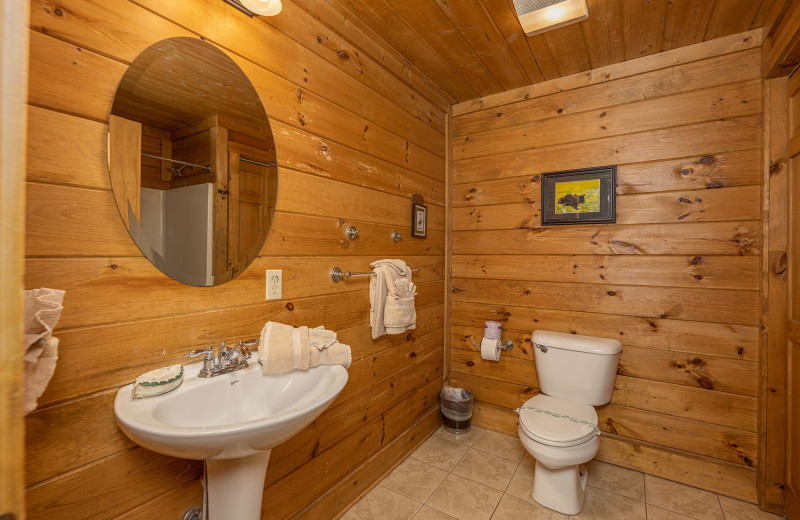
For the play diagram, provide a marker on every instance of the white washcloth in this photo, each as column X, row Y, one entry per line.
column 381, row 284
column 42, row 310
column 321, row 337
column 383, row 288
column 283, row 348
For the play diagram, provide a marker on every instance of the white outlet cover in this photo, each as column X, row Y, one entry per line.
column 274, row 284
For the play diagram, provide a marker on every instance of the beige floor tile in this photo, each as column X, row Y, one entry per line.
column 513, row 508
column 507, row 446
column 439, row 452
column 528, row 459
column 429, row 513
column 415, row 479
column 656, row 513
column 738, row 510
column 468, row 438
column 464, row 499
column 383, row 504
column 486, row 468
column 600, row 504
column 521, row 485
column 616, row 479
column 683, row 499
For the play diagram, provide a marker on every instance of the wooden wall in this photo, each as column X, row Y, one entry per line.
column 676, row 279
column 356, row 133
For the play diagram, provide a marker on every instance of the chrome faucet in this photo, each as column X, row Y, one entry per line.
column 227, row 359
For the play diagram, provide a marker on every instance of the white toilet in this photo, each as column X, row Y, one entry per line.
column 559, row 428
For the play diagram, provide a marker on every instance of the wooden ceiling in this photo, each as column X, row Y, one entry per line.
column 472, row 48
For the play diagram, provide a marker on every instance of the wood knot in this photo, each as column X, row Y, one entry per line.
column 696, row 260
column 412, row 355
column 780, row 265
column 698, row 277
column 687, row 171
column 684, row 200
column 290, row 306
column 343, row 55
column 113, row 266
column 535, row 178
column 560, row 111
column 611, row 293
column 775, row 167
column 470, row 363
column 740, row 351
column 712, row 185
column 59, row 12
column 707, row 159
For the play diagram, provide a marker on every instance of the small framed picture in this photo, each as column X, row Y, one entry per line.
column 419, row 220
column 586, row 196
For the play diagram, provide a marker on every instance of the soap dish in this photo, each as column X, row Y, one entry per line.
column 158, row 381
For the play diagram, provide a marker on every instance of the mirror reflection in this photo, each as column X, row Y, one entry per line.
column 192, row 161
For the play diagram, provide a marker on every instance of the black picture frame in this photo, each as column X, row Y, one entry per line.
column 595, row 204
column 419, row 220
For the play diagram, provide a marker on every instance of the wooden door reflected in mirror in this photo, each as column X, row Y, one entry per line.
column 192, row 161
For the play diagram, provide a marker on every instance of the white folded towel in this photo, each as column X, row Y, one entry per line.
column 385, row 294
column 283, row 348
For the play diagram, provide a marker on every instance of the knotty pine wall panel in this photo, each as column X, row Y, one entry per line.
column 676, row 279
column 353, row 145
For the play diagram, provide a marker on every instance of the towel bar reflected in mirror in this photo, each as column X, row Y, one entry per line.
column 337, row 274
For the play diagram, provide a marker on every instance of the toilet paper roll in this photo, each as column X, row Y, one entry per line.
column 490, row 349
column 491, row 329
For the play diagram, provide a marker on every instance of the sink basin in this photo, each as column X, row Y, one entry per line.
column 232, row 421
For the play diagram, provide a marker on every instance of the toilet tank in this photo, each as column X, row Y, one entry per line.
column 577, row 368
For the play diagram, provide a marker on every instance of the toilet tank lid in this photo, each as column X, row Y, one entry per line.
column 589, row 344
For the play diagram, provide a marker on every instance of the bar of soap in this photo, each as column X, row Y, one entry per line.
column 158, row 381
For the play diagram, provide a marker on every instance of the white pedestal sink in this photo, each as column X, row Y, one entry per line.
column 232, row 421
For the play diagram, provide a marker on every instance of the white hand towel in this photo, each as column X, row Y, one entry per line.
column 283, row 348
column 42, row 309
column 381, row 285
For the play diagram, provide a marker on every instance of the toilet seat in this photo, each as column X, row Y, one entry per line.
column 558, row 422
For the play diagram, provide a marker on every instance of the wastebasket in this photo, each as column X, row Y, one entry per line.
column 456, row 409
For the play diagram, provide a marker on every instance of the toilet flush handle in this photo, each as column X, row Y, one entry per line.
column 543, row 348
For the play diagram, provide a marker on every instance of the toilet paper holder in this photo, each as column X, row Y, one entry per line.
column 507, row 345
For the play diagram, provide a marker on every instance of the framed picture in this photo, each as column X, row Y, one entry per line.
column 419, row 220
column 586, row 196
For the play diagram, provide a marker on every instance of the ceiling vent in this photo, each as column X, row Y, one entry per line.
column 538, row 16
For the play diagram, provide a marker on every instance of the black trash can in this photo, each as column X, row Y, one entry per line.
column 456, row 409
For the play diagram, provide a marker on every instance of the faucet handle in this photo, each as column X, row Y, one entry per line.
column 246, row 354
column 249, row 342
column 198, row 353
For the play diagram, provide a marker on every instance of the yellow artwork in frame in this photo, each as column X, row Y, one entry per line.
column 585, row 196
column 578, row 196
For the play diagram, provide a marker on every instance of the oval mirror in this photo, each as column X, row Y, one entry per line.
column 192, row 161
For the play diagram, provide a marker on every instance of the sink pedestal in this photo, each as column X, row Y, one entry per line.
column 236, row 487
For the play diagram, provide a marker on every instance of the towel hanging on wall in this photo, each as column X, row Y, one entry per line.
column 391, row 298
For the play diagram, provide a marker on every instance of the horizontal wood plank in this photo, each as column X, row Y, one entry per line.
column 720, row 272
column 713, row 305
column 690, row 238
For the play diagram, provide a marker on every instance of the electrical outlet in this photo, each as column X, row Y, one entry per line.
column 274, row 284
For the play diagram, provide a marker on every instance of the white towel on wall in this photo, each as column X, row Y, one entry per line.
column 385, row 295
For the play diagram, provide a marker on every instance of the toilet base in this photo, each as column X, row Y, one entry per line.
column 561, row 489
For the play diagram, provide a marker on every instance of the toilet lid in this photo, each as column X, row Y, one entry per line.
column 558, row 422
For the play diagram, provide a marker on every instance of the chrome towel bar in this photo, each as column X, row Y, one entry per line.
column 337, row 274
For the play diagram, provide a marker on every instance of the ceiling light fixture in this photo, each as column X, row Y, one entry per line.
column 538, row 16
column 257, row 7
